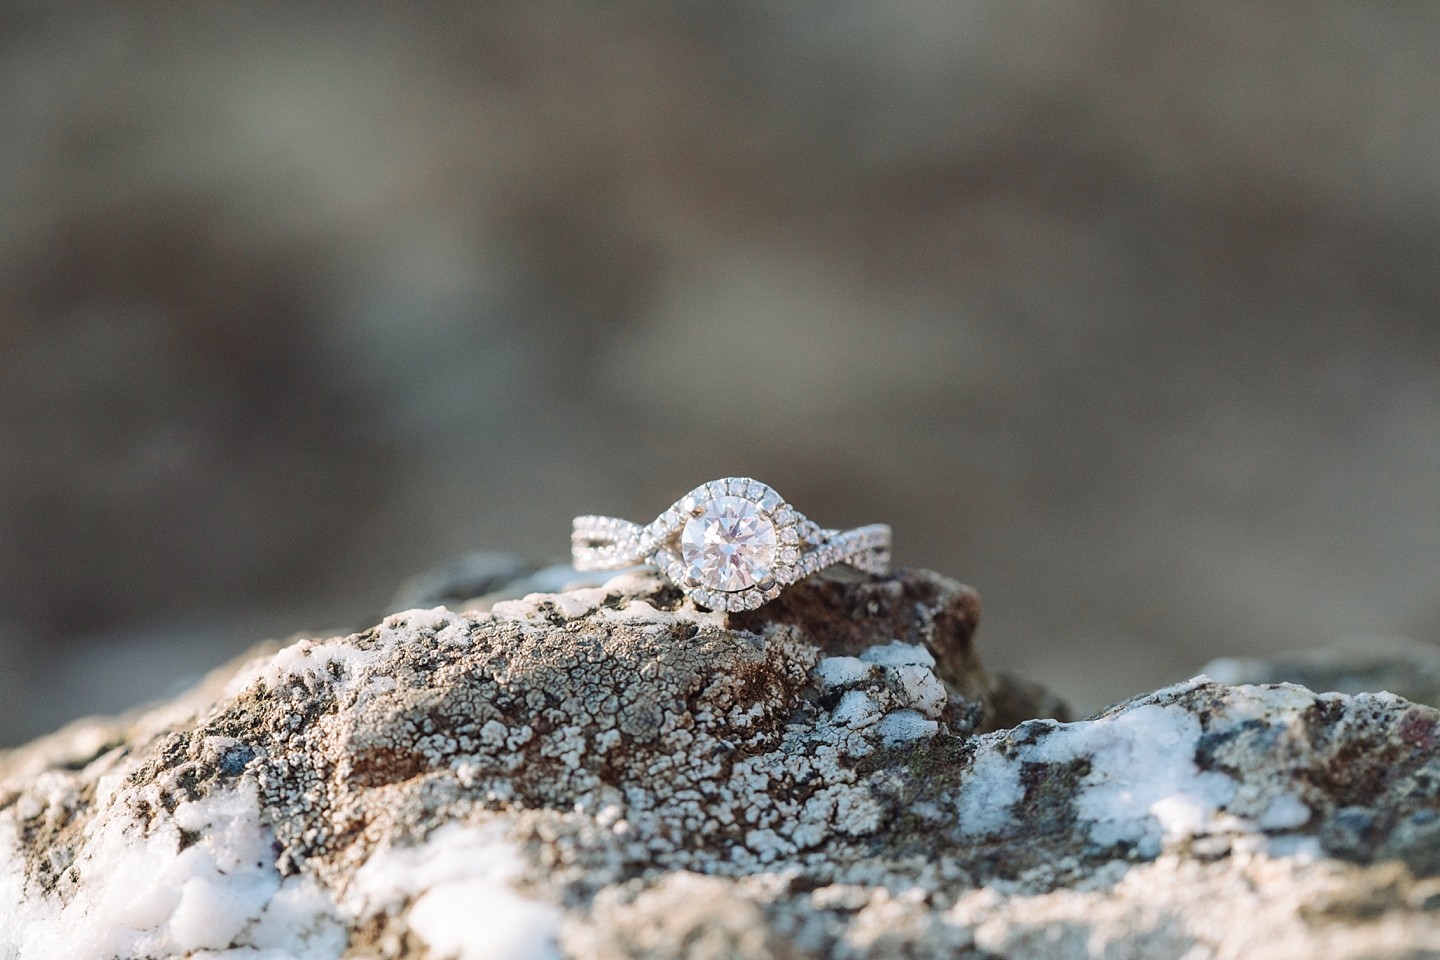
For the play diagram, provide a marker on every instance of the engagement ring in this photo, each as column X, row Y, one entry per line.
column 730, row 544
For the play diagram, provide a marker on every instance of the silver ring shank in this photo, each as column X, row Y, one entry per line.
column 864, row 548
column 607, row 543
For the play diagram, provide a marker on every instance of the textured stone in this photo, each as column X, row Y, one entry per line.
column 1405, row 667
column 610, row 772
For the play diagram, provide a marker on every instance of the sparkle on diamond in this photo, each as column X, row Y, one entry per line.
column 730, row 546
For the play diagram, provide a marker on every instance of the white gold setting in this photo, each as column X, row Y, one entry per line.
column 730, row 544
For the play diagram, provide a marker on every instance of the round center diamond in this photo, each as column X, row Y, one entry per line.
column 730, row 546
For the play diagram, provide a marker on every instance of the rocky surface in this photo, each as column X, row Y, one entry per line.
column 1405, row 667
column 610, row 772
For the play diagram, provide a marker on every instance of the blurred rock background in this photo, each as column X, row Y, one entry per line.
column 1126, row 313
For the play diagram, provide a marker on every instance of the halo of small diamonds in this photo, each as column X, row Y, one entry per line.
column 743, row 535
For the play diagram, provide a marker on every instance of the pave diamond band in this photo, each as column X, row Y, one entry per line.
column 730, row 544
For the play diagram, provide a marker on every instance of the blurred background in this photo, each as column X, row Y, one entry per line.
column 1125, row 313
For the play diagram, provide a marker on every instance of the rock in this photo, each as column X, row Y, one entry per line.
column 610, row 772
column 1363, row 665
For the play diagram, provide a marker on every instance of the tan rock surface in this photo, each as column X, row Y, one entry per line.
column 611, row 772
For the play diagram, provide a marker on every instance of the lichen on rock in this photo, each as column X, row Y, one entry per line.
column 612, row 772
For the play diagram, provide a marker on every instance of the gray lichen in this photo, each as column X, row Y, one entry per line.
column 611, row 772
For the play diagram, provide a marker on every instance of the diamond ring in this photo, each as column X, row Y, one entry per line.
column 730, row 544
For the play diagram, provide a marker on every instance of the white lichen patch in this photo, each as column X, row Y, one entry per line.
column 897, row 654
column 902, row 726
column 455, row 893
column 609, row 772
column 1143, row 783
column 199, row 877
